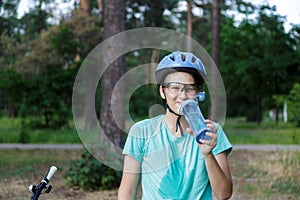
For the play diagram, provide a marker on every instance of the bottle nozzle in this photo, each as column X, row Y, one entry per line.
column 200, row 96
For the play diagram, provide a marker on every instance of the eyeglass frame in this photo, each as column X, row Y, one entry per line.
column 185, row 85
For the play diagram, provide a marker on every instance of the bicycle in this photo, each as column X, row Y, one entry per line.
column 36, row 190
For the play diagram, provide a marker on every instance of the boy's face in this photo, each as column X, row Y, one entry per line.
column 177, row 87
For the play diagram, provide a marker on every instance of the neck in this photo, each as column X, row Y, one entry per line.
column 171, row 119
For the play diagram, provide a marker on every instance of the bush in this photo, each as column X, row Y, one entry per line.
column 88, row 173
column 293, row 105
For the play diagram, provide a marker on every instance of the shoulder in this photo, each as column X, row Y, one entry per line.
column 147, row 125
column 223, row 143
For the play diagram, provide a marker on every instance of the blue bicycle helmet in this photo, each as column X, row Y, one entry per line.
column 183, row 62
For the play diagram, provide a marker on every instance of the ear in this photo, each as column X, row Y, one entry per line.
column 161, row 92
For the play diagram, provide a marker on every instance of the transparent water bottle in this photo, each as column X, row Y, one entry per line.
column 192, row 113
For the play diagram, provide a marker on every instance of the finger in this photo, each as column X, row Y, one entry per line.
column 212, row 127
column 211, row 142
column 207, row 142
column 207, row 121
column 212, row 135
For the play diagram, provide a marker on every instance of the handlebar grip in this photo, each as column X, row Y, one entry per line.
column 51, row 172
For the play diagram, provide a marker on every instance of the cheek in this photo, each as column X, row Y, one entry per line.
column 171, row 98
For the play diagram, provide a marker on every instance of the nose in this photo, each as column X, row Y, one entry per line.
column 182, row 93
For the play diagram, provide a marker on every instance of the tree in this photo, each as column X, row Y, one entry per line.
column 216, row 24
column 146, row 13
column 47, row 66
column 85, row 7
column 293, row 99
column 256, row 55
column 114, row 22
column 8, row 16
column 11, row 89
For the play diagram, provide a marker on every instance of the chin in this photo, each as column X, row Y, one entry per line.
column 176, row 108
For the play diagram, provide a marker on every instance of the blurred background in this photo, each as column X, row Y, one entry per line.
column 255, row 45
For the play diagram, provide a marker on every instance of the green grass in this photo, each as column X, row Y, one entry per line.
column 24, row 163
column 238, row 130
column 11, row 132
column 241, row 132
column 264, row 175
column 256, row 174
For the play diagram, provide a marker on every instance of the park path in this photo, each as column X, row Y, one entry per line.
column 250, row 147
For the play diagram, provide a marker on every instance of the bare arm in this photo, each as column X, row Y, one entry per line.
column 217, row 166
column 219, row 175
column 130, row 179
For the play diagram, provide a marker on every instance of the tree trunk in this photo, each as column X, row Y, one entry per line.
column 85, row 11
column 259, row 109
column 277, row 115
column 114, row 22
column 216, row 104
column 189, row 24
column 100, row 8
column 85, row 7
column 216, row 32
column 11, row 110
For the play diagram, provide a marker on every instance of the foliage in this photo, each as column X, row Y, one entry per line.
column 11, row 87
column 293, row 99
column 253, row 70
column 41, row 70
column 258, row 61
column 89, row 174
column 142, row 99
column 8, row 13
column 47, row 100
column 34, row 22
column 149, row 13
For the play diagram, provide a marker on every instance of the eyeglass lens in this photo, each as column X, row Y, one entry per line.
column 177, row 88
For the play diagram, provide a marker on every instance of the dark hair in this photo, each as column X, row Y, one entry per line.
column 163, row 74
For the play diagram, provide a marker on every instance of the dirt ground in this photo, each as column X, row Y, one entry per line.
column 242, row 165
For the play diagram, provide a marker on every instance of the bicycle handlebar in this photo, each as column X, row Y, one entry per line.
column 51, row 172
column 37, row 190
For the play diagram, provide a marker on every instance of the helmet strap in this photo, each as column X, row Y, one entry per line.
column 178, row 116
column 178, row 119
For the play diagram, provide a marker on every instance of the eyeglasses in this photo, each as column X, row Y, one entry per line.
column 177, row 88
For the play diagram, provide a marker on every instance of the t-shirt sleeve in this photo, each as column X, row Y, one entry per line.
column 223, row 143
column 134, row 143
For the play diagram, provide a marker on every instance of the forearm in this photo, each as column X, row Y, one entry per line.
column 130, row 179
column 220, row 181
column 124, row 194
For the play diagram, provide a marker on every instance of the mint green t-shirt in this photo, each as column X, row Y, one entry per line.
column 172, row 168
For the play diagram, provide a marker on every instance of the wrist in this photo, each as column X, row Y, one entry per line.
column 208, row 155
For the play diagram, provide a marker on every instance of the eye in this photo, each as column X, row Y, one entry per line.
column 174, row 87
column 190, row 88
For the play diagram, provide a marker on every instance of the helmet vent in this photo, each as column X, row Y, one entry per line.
column 183, row 57
column 194, row 59
column 172, row 58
